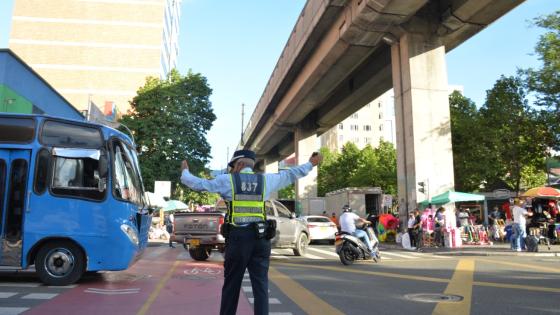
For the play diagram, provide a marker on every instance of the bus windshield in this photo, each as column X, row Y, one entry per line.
column 126, row 184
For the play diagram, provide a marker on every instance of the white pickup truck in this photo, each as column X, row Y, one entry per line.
column 199, row 232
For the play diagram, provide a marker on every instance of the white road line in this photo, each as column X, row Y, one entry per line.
column 247, row 289
column 322, row 251
column 397, row 255
column 311, row 256
column 246, row 280
column 18, row 284
column 270, row 301
column 5, row 295
column 416, row 254
column 71, row 286
column 39, row 296
column 113, row 290
column 14, row 310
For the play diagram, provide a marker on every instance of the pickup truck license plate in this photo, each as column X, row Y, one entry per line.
column 194, row 242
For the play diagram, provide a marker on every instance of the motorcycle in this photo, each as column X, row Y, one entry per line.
column 350, row 248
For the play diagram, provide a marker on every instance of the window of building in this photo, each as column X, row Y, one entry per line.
column 354, row 127
column 354, row 116
column 340, row 138
column 340, row 126
column 379, row 105
column 367, row 140
column 380, row 115
column 380, row 127
column 356, row 140
column 367, row 128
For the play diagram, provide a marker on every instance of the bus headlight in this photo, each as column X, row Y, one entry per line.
column 131, row 233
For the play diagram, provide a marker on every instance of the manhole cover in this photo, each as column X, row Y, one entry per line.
column 433, row 297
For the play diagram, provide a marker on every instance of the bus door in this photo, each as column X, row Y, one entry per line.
column 14, row 172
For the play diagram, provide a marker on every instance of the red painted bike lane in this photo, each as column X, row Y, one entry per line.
column 161, row 283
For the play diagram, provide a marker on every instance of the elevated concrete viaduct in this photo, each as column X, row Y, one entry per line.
column 342, row 54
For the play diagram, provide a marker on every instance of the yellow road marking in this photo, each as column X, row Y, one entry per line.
column 309, row 302
column 541, row 268
column 461, row 284
column 516, row 286
column 373, row 273
column 158, row 288
column 421, row 278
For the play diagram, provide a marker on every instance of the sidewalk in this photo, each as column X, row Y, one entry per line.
column 496, row 249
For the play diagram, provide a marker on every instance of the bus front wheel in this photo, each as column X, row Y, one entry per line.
column 60, row 263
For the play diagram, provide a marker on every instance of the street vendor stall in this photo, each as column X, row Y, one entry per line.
column 454, row 236
column 543, row 203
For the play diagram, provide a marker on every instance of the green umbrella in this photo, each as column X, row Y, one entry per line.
column 452, row 196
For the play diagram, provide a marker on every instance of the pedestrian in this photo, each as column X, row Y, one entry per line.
column 411, row 223
column 335, row 220
column 438, row 227
column 169, row 227
column 520, row 215
column 247, row 232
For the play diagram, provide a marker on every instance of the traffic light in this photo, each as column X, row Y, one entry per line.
column 422, row 188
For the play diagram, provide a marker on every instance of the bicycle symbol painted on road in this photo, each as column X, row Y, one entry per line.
column 196, row 271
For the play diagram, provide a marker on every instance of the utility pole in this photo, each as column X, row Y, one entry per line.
column 227, row 159
column 242, row 122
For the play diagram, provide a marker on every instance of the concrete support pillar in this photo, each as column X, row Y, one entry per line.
column 306, row 187
column 424, row 151
column 271, row 168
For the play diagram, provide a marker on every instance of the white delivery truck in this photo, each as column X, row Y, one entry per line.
column 363, row 200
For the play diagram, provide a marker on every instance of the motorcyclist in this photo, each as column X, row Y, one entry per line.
column 347, row 222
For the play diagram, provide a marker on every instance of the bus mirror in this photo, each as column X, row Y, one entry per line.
column 103, row 166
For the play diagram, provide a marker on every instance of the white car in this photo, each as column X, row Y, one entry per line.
column 320, row 228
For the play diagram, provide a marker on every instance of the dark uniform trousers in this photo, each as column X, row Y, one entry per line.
column 244, row 250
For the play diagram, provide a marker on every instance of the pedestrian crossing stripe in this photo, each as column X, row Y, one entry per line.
column 13, row 310
column 270, row 301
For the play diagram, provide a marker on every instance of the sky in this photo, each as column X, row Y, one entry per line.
column 236, row 44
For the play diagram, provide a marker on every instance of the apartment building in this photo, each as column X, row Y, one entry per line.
column 98, row 51
column 369, row 125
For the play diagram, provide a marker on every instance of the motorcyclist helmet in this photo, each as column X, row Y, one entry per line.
column 346, row 208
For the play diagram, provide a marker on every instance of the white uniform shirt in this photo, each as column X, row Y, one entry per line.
column 411, row 222
column 519, row 215
column 348, row 222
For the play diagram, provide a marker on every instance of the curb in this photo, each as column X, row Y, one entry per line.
column 518, row 254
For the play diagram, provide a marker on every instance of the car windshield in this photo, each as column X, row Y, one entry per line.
column 316, row 219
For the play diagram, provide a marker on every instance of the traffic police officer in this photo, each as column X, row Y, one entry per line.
column 247, row 232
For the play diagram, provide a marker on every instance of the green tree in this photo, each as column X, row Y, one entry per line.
column 546, row 80
column 358, row 168
column 470, row 161
column 515, row 135
column 327, row 174
column 169, row 119
column 288, row 192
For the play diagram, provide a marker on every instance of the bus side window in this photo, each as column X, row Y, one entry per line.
column 78, row 177
column 41, row 171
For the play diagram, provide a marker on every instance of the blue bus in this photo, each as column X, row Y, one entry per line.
column 71, row 198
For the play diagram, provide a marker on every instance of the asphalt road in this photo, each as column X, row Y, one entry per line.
column 168, row 281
